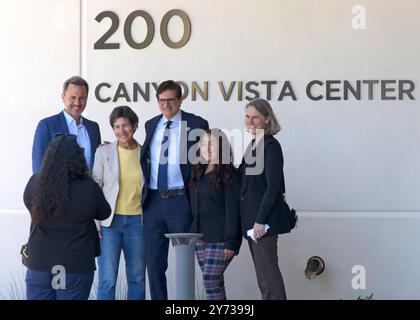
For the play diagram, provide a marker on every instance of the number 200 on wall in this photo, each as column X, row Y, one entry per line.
column 102, row 43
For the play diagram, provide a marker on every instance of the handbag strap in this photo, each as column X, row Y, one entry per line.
column 32, row 230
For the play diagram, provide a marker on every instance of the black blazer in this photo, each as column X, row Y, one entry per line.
column 193, row 122
column 261, row 195
column 216, row 213
column 69, row 239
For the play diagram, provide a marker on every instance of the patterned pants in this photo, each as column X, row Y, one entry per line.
column 213, row 265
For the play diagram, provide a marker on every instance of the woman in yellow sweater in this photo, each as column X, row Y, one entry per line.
column 117, row 170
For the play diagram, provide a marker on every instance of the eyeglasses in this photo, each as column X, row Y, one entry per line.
column 171, row 101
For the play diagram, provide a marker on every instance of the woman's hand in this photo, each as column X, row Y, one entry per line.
column 259, row 230
column 228, row 254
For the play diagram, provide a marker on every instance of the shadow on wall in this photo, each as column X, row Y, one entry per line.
column 16, row 289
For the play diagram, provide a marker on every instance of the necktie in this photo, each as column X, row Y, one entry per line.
column 162, row 181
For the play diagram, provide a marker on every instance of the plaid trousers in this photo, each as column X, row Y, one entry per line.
column 213, row 265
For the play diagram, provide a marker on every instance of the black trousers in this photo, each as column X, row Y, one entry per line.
column 270, row 280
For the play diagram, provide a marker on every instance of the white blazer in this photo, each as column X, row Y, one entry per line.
column 106, row 172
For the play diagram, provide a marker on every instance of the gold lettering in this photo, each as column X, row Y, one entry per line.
column 226, row 96
column 204, row 94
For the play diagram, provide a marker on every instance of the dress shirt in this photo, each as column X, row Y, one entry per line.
column 82, row 136
column 175, row 180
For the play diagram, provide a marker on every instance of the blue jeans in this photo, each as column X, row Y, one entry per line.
column 126, row 234
column 39, row 286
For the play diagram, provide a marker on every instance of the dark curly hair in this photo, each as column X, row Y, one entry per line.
column 223, row 169
column 63, row 162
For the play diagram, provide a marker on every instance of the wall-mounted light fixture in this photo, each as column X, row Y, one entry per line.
column 314, row 267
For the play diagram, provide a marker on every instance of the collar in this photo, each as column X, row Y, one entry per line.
column 176, row 118
column 70, row 120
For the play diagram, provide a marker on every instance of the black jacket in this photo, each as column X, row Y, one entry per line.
column 216, row 213
column 261, row 195
column 69, row 239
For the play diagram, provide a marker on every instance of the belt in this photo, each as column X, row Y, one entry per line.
column 172, row 193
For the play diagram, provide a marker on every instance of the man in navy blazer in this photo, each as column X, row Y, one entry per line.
column 69, row 121
column 166, row 167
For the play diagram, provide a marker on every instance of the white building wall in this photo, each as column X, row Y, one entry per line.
column 351, row 166
column 40, row 49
